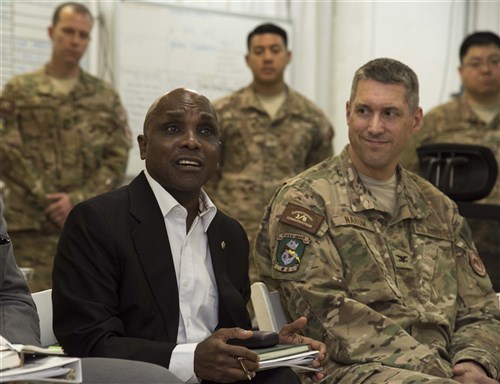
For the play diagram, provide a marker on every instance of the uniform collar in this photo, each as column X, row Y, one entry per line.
column 466, row 113
column 83, row 86
column 291, row 105
column 409, row 198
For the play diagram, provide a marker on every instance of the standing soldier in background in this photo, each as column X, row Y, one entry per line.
column 65, row 138
column 472, row 118
column 269, row 133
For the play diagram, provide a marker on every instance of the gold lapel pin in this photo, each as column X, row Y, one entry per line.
column 223, row 244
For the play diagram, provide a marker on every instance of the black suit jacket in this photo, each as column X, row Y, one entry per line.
column 114, row 284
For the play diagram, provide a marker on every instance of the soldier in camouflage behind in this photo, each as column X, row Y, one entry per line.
column 471, row 118
column 64, row 138
column 377, row 258
column 269, row 133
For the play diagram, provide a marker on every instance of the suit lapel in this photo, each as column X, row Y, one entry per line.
column 153, row 249
column 232, row 309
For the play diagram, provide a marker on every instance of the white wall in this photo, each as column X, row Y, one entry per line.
column 425, row 36
column 332, row 39
column 486, row 15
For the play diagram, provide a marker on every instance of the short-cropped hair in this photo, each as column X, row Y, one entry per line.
column 77, row 7
column 267, row 28
column 389, row 71
column 478, row 38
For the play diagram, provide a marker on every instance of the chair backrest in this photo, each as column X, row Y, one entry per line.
column 267, row 306
column 43, row 301
column 463, row 172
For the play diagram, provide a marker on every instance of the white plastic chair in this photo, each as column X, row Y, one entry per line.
column 43, row 301
column 268, row 310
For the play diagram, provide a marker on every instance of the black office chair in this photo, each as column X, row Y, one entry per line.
column 465, row 173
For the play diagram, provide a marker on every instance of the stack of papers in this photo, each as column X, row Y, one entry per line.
column 20, row 362
column 301, row 362
column 297, row 356
column 52, row 369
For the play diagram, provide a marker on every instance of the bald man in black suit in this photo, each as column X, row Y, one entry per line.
column 153, row 271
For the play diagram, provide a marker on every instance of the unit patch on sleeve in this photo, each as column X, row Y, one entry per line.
column 477, row 265
column 289, row 252
column 301, row 218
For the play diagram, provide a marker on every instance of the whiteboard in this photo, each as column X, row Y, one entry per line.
column 160, row 47
column 25, row 44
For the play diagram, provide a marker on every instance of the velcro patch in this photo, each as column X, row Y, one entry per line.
column 301, row 218
column 430, row 231
column 353, row 221
column 289, row 252
column 402, row 260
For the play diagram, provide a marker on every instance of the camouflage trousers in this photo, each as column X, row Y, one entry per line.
column 398, row 376
column 33, row 249
column 375, row 373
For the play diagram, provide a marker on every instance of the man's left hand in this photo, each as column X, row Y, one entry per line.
column 289, row 335
column 468, row 372
column 59, row 208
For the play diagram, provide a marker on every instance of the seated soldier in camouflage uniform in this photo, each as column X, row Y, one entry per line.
column 377, row 258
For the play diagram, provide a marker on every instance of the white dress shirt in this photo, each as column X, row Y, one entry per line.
column 198, row 298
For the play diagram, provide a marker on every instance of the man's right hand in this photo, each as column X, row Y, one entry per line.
column 468, row 372
column 217, row 361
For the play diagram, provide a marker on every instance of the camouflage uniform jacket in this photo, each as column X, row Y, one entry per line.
column 76, row 143
column 408, row 292
column 259, row 153
column 455, row 122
